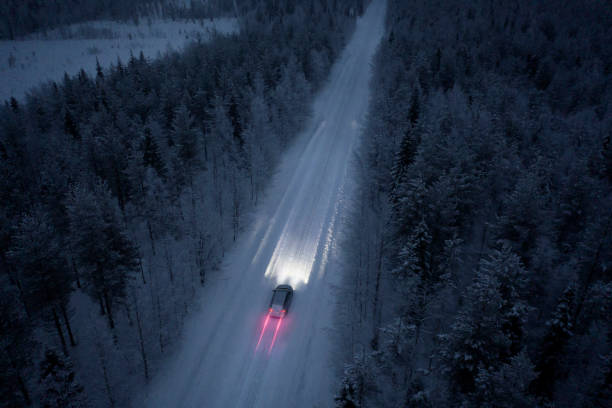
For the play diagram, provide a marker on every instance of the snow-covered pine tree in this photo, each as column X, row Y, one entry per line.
column 106, row 257
column 44, row 275
column 59, row 387
column 488, row 328
column 507, row 386
column 560, row 329
column 16, row 344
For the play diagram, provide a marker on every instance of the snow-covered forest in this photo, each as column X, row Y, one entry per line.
column 121, row 192
column 470, row 237
column 479, row 249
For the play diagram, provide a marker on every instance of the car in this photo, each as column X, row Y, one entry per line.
column 281, row 300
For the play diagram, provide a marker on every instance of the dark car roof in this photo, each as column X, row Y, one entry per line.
column 280, row 297
column 284, row 287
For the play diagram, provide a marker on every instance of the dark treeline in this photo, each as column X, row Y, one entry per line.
column 21, row 17
column 479, row 254
column 120, row 193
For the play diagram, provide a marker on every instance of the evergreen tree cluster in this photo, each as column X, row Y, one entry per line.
column 479, row 250
column 121, row 192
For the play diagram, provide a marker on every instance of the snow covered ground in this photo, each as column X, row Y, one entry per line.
column 218, row 363
column 41, row 57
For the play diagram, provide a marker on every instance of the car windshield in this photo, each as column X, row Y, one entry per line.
column 279, row 297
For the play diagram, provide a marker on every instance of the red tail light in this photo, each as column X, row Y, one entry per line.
column 284, row 311
column 275, row 333
column 270, row 310
column 263, row 329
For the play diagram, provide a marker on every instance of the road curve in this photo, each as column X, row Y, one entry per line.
column 218, row 363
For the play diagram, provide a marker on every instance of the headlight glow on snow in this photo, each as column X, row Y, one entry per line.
column 292, row 271
column 292, row 260
column 294, row 257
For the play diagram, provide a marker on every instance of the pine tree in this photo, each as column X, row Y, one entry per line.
column 518, row 226
column 261, row 146
column 105, row 255
column 187, row 140
column 397, row 340
column 16, row 345
column 508, row 386
column 70, row 127
column 37, row 252
column 234, row 116
column 151, row 155
column 357, row 382
column 403, row 159
column 606, row 153
column 415, row 257
column 412, row 196
column 415, row 275
column 415, row 107
column 488, row 329
column 59, row 387
column 513, row 281
column 157, row 208
column 560, row 330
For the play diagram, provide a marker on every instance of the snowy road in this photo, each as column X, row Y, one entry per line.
column 217, row 364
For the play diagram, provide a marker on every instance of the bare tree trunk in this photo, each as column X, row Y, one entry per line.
column 236, row 205
column 107, row 386
column 22, row 385
column 193, row 201
column 102, row 309
column 218, row 196
column 205, row 139
column 368, row 270
column 200, row 262
column 159, row 320
column 236, row 9
column 59, row 331
column 252, row 186
column 482, row 243
column 128, row 314
column 376, row 305
column 67, row 323
column 17, row 282
column 24, row 391
column 141, row 340
column 358, row 298
column 169, row 262
column 151, row 236
column 109, row 310
column 75, row 270
column 144, row 281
